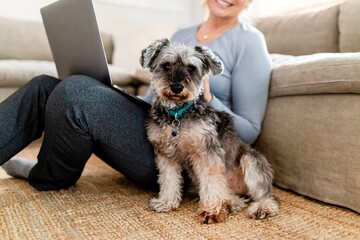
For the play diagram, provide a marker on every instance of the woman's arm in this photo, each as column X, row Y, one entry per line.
column 249, row 88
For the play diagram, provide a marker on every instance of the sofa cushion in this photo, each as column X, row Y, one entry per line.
column 20, row 39
column 349, row 26
column 316, row 74
column 143, row 76
column 18, row 72
column 301, row 34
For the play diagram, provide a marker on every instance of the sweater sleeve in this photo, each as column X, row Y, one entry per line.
column 249, row 88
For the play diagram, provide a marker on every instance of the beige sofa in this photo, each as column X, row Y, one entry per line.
column 311, row 131
column 25, row 53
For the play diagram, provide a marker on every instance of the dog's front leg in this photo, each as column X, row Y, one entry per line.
column 215, row 203
column 170, row 181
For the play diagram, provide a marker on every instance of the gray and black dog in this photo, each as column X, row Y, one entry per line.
column 189, row 134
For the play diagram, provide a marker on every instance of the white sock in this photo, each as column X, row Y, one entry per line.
column 18, row 167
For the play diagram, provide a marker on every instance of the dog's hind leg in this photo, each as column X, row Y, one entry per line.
column 170, row 181
column 258, row 177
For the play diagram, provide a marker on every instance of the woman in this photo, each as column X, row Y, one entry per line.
column 81, row 116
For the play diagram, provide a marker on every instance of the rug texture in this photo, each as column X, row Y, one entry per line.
column 104, row 205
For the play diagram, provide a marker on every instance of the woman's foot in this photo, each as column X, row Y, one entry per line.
column 18, row 167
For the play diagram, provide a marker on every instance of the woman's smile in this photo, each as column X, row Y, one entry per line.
column 223, row 3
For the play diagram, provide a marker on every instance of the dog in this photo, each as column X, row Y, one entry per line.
column 188, row 134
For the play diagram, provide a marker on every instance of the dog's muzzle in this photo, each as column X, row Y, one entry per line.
column 176, row 88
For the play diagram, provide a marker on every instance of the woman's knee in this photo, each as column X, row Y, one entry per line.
column 76, row 88
column 42, row 83
column 72, row 97
column 79, row 82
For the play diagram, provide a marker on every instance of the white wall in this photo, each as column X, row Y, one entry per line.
column 135, row 23
column 22, row 9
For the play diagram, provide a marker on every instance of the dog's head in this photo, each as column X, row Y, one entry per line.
column 178, row 70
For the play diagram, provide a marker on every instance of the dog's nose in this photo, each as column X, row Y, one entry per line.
column 176, row 88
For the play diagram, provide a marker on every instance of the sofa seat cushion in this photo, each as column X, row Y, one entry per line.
column 316, row 74
column 18, row 72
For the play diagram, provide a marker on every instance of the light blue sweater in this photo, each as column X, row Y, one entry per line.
column 242, row 89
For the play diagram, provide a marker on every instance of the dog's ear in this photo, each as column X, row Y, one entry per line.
column 210, row 60
column 149, row 54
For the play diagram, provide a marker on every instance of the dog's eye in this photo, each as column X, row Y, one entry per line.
column 166, row 66
column 191, row 68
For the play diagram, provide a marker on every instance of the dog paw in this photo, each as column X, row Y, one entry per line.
column 263, row 209
column 162, row 205
column 259, row 214
column 209, row 217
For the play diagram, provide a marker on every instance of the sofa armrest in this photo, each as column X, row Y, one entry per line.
column 316, row 74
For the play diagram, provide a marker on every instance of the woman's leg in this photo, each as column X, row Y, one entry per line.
column 22, row 116
column 84, row 116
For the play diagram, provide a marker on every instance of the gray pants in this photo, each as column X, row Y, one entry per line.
column 79, row 116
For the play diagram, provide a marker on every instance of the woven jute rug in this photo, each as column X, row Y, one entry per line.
column 104, row 205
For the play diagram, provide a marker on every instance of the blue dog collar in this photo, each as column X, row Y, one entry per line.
column 178, row 112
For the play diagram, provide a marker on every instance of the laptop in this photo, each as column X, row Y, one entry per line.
column 75, row 41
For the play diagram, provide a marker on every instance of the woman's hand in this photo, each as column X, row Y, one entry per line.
column 207, row 94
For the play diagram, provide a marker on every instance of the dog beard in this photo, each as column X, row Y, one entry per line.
column 190, row 92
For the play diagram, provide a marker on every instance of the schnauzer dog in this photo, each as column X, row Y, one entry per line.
column 188, row 134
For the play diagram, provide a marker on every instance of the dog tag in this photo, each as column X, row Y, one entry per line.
column 175, row 124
